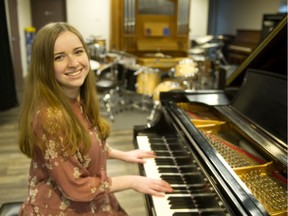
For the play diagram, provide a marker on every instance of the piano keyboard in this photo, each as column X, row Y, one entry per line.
column 192, row 195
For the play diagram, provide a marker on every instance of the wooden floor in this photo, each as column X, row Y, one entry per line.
column 14, row 165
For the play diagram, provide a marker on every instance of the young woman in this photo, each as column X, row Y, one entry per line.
column 61, row 130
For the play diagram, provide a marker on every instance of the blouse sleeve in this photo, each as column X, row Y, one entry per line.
column 69, row 175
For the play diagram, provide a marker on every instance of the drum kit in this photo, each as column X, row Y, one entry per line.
column 148, row 82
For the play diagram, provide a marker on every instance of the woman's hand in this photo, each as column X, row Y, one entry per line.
column 133, row 156
column 138, row 156
column 154, row 187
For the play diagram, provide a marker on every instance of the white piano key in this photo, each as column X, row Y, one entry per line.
column 160, row 204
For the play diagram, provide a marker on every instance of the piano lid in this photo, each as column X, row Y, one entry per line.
column 270, row 55
column 262, row 99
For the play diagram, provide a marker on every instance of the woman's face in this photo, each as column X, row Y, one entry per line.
column 71, row 63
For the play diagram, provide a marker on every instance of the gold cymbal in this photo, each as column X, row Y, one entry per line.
column 210, row 45
column 204, row 39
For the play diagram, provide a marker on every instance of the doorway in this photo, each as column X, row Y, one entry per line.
column 46, row 11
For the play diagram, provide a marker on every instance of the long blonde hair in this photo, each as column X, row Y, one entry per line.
column 41, row 87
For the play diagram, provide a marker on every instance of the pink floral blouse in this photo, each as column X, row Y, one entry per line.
column 61, row 185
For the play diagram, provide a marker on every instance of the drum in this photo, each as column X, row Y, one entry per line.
column 96, row 48
column 186, row 68
column 147, row 81
column 126, row 75
column 165, row 87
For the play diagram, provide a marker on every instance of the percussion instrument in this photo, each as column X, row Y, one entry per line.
column 186, row 68
column 204, row 39
column 165, row 87
column 126, row 76
column 94, row 65
column 147, row 81
column 186, row 73
column 96, row 48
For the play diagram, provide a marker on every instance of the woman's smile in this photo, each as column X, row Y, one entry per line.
column 74, row 73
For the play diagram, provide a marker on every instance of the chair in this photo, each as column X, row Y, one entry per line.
column 10, row 209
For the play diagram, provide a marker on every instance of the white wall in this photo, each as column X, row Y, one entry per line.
column 198, row 18
column 90, row 17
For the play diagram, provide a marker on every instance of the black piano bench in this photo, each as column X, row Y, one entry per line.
column 10, row 209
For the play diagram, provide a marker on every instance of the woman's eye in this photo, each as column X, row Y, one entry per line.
column 58, row 58
column 79, row 52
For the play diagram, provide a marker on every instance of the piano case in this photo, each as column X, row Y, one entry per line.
column 223, row 156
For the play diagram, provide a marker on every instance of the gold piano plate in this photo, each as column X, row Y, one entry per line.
column 267, row 186
column 210, row 126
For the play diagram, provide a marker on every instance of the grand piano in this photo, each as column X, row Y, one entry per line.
column 223, row 153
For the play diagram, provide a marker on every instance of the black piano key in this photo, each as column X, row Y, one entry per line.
column 186, row 214
column 181, row 203
column 173, row 179
column 206, row 201
column 176, row 161
column 164, row 161
column 170, row 161
column 180, row 190
column 199, row 202
column 170, row 139
column 194, row 178
column 159, row 147
column 167, row 170
column 175, row 147
column 186, row 189
column 180, row 153
column 219, row 212
column 203, row 201
column 183, row 161
column 163, row 153
column 156, row 142
column 188, row 169
column 198, row 188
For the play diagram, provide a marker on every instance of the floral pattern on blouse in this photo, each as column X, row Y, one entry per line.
column 63, row 185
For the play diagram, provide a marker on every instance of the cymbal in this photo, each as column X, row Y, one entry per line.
column 196, row 51
column 210, row 45
column 204, row 39
column 94, row 65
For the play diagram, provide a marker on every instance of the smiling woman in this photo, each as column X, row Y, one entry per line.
column 61, row 130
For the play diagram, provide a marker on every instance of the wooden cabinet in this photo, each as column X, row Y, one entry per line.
column 141, row 27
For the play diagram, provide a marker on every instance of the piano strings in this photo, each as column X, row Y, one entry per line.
column 268, row 186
